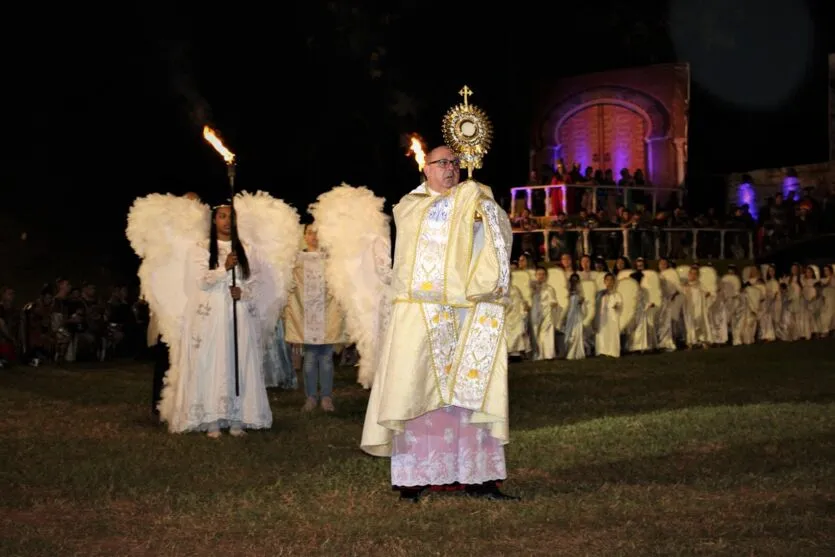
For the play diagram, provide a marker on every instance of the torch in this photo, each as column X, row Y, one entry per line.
column 228, row 156
column 416, row 147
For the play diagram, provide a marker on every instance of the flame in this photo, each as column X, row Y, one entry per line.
column 417, row 148
column 210, row 136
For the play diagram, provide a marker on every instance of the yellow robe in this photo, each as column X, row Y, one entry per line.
column 312, row 315
column 445, row 344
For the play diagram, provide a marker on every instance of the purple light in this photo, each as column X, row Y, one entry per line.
column 791, row 185
column 745, row 195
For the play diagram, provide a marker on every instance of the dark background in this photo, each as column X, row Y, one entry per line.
column 102, row 106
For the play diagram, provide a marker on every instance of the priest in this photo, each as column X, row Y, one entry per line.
column 439, row 403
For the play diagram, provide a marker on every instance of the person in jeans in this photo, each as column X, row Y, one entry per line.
column 314, row 320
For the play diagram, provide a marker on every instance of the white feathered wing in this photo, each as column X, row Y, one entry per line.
column 273, row 228
column 354, row 230
column 161, row 229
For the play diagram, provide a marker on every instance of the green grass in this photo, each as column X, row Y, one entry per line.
column 720, row 452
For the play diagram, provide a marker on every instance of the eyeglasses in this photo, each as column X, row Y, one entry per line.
column 443, row 163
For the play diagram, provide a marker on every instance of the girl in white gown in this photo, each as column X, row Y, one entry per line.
column 669, row 311
column 696, row 322
column 574, row 337
column 204, row 398
column 607, row 319
column 542, row 316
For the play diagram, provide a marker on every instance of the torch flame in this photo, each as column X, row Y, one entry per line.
column 417, row 148
column 210, row 136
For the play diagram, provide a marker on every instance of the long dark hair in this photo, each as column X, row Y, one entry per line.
column 237, row 246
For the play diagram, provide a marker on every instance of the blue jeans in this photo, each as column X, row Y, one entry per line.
column 318, row 368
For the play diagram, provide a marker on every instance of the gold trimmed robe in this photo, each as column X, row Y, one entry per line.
column 445, row 343
column 312, row 315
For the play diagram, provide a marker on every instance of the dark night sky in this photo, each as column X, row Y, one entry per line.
column 101, row 107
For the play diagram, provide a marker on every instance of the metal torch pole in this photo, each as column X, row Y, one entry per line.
column 231, row 173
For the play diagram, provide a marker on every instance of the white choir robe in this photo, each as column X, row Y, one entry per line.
column 696, row 322
column 803, row 323
column 737, row 309
column 827, row 312
column 641, row 337
column 516, row 330
column 815, row 304
column 575, row 336
column 719, row 318
column 664, row 317
column 542, row 315
column 748, row 317
column 783, row 326
column 765, row 319
column 203, row 396
column 607, row 324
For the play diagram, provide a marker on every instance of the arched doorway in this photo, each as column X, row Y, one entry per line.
column 604, row 135
column 613, row 127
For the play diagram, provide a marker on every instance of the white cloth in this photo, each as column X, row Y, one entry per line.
column 607, row 316
column 543, row 318
column 696, row 321
column 574, row 334
column 205, row 392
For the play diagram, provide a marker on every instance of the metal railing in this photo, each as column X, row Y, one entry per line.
column 653, row 190
column 661, row 248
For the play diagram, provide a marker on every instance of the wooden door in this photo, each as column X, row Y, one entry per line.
column 622, row 140
column 580, row 138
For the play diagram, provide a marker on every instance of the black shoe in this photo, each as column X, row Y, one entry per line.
column 411, row 495
column 489, row 491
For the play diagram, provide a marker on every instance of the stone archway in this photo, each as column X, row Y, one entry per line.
column 610, row 127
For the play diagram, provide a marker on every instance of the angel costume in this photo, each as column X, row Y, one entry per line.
column 194, row 306
column 609, row 304
column 641, row 335
column 438, row 404
column 516, row 330
column 574, row 329
column 542, row 318
column 353, row 229
column 696, row 319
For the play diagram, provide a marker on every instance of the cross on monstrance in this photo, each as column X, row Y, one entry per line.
column 465, row 92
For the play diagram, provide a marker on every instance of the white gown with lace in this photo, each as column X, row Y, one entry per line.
column 205, row 393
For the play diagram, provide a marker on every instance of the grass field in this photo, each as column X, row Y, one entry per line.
column 720, row 452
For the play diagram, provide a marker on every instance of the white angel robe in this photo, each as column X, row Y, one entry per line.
column 827, row 312
column 765, row 317
column 802, row 316
column 664, row 317
column 641, row 336
column 696, row 322
column 783, row 322
column 574, row 334
column 439, row 402
column 516, row 324
column 542, row 318
column 607, row 324
column 204, row 390
column 747, row 317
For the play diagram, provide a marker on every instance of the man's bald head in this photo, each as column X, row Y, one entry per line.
column 440, row 152
column 442, row 169
column 193, row 196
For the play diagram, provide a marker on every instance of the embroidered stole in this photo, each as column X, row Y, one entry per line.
column 463, row 354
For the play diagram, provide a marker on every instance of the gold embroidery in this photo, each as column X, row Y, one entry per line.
column 476, row 356
column 429, row 271
column 443, row 337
